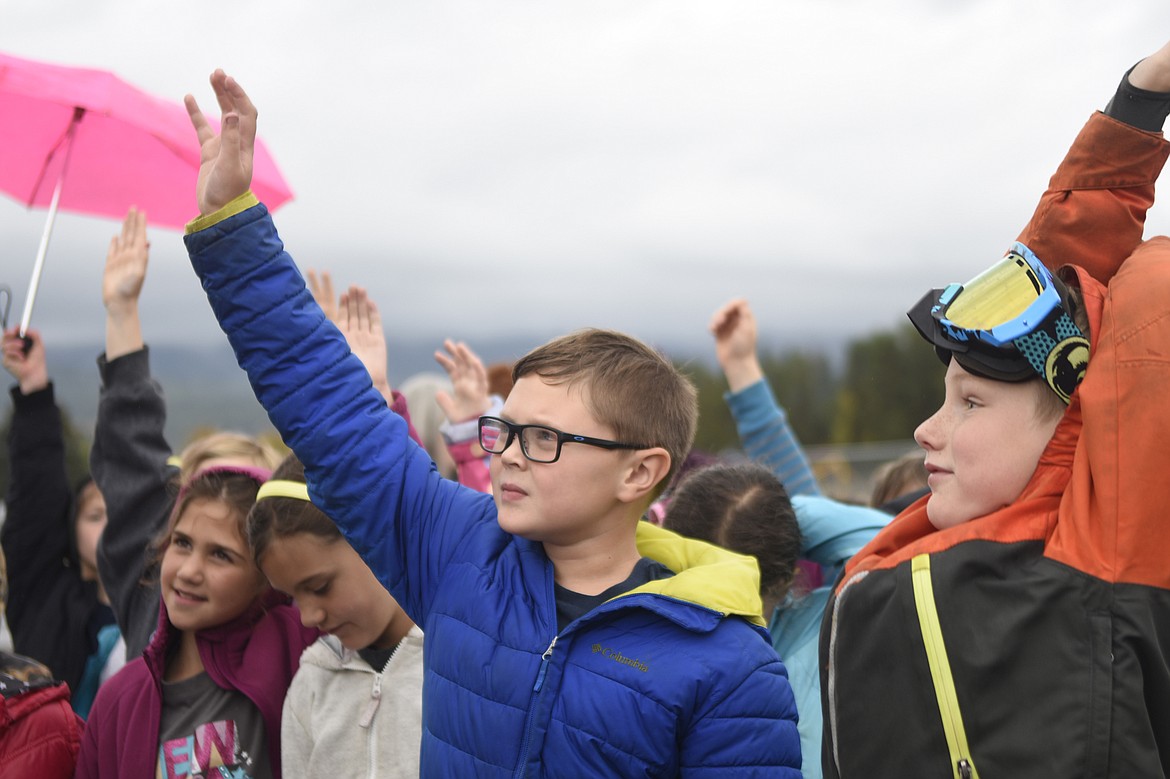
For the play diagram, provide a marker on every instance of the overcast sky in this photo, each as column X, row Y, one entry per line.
column 613, row 162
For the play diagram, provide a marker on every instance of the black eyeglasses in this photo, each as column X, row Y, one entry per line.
column 539, row 444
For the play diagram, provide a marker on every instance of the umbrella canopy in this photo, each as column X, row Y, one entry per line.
column 124, row 147
column 86, row 141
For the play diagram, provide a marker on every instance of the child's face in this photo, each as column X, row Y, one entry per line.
column 563, row 502
column 335, row 590
column 91, row 521
column 208, row 577
column 982, row 446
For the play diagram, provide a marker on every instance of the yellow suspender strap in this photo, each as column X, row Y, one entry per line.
column 940, row 670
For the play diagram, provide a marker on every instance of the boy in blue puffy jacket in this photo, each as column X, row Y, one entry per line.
column 564, row 637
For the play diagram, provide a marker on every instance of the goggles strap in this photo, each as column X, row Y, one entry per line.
column 1059, row 360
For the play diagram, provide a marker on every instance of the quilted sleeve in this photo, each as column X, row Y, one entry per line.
column 363, row 470
column 1094, row 209
column 748, row 727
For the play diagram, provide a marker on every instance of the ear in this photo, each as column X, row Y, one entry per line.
column 646, row 469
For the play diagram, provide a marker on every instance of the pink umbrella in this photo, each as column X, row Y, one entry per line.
column 86, row 141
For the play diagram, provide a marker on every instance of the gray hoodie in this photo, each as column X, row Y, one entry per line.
column 344, row 718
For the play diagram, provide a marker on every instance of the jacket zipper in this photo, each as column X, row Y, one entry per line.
column 546, row 656
column 367, row 721
column 375, row 699
column 531, row 719
column 962, row 766
column 371, row 710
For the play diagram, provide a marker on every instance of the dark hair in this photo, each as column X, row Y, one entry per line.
column 277, row 517
column 744, row 508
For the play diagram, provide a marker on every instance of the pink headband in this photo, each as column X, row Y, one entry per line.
column 258, row 475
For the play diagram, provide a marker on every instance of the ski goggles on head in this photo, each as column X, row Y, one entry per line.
column 1010, row 323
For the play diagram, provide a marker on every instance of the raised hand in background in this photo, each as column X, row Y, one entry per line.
column 321, row 288
column 736, row 338
column 359, row 321
column 122, row 280
column 27, row 367
column 468, row 398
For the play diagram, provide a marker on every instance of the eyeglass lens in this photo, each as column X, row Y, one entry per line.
column 538, row 443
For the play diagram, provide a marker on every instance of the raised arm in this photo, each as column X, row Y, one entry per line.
column 129, row 455
column 382, row 490
column 36, row 532
column 358, row 319
column 1094, row 210
column 762, row 424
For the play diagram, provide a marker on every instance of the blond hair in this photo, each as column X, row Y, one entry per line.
column 229, row 446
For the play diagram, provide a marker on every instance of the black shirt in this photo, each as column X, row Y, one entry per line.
column 571, row 605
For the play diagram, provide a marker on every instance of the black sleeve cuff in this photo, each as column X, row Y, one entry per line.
column 132, row 367
column 1139, row 108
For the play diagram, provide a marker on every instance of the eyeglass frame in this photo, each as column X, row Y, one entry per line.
column 516, row 432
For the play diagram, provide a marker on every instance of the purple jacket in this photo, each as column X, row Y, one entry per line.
column 257, row 653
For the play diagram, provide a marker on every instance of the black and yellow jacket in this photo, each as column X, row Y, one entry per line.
column 1035, row 641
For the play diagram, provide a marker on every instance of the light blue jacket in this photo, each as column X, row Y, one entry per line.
column 672, row 678
column 832, row 533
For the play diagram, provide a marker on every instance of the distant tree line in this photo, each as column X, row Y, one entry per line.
column 886, row 385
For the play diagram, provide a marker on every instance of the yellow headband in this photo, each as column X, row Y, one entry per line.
column 278, row 488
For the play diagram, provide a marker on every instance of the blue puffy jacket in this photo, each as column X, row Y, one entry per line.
column 674, row 678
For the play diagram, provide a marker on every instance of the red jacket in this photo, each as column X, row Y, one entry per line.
column 1055, row 610
column 40, row 734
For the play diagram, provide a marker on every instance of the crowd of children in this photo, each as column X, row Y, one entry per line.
column 232, row 611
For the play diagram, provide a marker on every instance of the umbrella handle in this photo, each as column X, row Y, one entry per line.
column 35, row 282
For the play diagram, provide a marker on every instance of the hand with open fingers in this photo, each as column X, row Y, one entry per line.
column 469, row 383
column 322, row 291
column 126, row 262
column 28, row 368
column 736, row 336
column 225, row 160
column 361, row 324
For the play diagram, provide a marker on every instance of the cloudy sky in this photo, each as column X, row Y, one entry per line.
column 622, row 163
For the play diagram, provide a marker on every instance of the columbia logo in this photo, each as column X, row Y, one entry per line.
column 618, row 657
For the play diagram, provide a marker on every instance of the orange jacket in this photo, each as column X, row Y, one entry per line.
column 1055, row 610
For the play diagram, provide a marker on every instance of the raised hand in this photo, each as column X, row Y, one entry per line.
column 126, row 261
column 122, row 280
column 28, row 368
column 225, row 160
column 361, row 324
column 469, row 383
column 322, row 291
column 736, row 336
